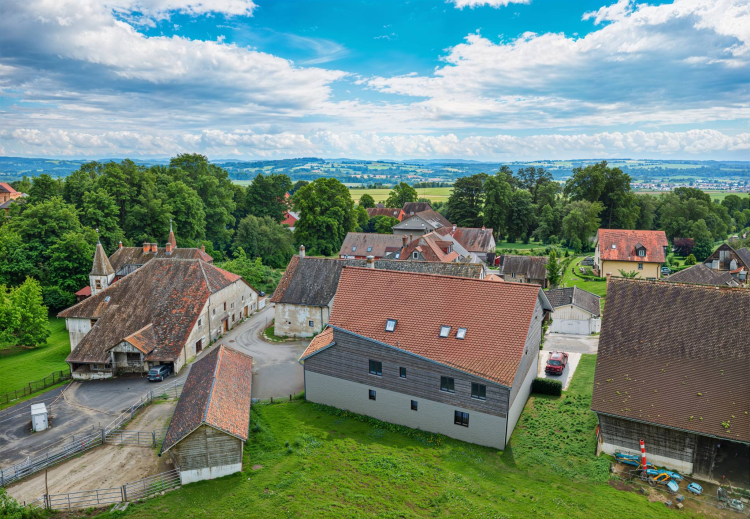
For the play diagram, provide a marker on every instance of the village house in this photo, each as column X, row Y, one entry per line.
column 359, row 245
column 372, row 212
column 642, row 252
column 411, row 208
column 436, row 247
column 211, row 423
column 423, row 222
column 523, row 269
column 8, row 195
column 576, row 311
column 304, row 296
column 672, row 370
column 700, row 274
column 725, row 259
column 290, row 220
column 480, row 242
column 165, row 312
column 437, row 357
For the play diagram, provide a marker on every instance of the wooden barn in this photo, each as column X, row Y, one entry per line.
column 210, row 425
column 672, row 370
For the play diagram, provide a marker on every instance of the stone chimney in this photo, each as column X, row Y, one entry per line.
column 146, row 246
column 154, row 247
column 405, row 240
column 301, row 251
column 370, row 262
column 119, row 245
column 168, row 247
column 203, row 248
column 454, row 229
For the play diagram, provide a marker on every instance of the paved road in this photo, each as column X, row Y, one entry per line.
column 571, row 343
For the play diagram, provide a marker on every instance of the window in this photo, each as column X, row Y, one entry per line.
column 415, row 255
column 376, row 368
column 461, row 333
column 641, row 252
column 200, row 321
column 640, row 266
column 397, row 255
column 446, row 384
column 214, row 311
column 232, row 317
column 231, row 306
column 444, row 331
column 614, row 245
column 512, row 274
column 372, row 394
column 92, row 322
column 310, row 323
column 225, row 306
column 369, row 249
column 414, row 405
column 243, row 298
column 390, row 325
column 402, row 372
column 98, row 284
column 354, row 249
column 478, row 391
column 461, row 418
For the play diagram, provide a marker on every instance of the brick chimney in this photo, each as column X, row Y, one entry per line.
column 483, row 228
column 119, row 245
column 370, row 262
column 301, row 251
column 154, row 247
column 168, row 247
column 405, row 240
column 146, row 246
column 203, row 248
column 609, row 275
column 454, row 229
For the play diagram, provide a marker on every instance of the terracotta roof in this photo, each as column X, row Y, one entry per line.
column 494, row 277
column 497, row 317
column 217, row 393
column 318, row 277
column 320, row 341
column 372, row 212
column 416, row 207
column 290, row 219
column 85, row 291
column 169, row 294
column 101, row 267
column 144, row 339
column 364, row 240
column 135, row 256
column 472, row 238
column 534, row 267
column 6, row 188
column 625, row 242
column 700, row 274
column 576, row 297
column 669, row 352
column 433, row 247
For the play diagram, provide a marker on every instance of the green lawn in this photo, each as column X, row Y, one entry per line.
column 314, row 461
column 23, row 365
column 521, row 247
column 571, row 280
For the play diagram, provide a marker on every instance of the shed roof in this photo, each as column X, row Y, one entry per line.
column 533, row 267
column 625, row 242
column 676, row 356
column 700, row 274
column 217, row 393
column 576, row 297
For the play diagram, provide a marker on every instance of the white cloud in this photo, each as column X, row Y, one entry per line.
column 460, row 4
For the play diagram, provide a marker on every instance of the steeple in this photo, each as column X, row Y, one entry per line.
column 172, row 239
column 102, row 272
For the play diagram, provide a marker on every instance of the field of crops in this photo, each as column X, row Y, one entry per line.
column 436, row 194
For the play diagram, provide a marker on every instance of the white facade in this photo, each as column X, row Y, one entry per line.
column 575, row 320
column 39, row 417
column 292, row 320
column 191, row 476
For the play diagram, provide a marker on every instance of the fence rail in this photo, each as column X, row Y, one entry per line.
column 143, row 438
column 152, row 485
column 85, row 499
column 37, row 385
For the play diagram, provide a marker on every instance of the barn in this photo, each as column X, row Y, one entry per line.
column 576, row 311
column 210, row 425
column 672, row 370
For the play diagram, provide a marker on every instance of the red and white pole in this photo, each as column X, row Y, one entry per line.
column 643, row 455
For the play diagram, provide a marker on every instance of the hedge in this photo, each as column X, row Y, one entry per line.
column 546, row 386
column 586, row 276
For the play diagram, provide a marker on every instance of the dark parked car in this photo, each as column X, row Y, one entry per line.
column 159, row 373
column 665, row 271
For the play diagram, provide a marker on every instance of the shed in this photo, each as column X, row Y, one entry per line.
column 576, row 311
column 210, row 425
column 39, row 420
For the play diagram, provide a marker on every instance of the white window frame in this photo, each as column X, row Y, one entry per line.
column 388, row 325
column 461, row 333
column 445, row 331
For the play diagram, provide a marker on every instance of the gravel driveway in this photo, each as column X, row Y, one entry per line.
column 571, row 343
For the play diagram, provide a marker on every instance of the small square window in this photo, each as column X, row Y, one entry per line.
column 461, row 333
column 390, row 325
column 461, row 418
column 98, row 284
column 478, row 391
column 444, row 331
column 414, row 405
column 310, row 323
column 446, row 384
column 402, row 372
column 214, row 311
column 614, row 245
column 372, row 394
column 369, row 249
column 640, row 266
column 376, row 368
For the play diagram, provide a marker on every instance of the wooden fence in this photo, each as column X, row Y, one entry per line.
column 38, row 385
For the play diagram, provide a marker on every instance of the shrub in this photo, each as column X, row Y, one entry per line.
column 546, row 386
column 690, row 260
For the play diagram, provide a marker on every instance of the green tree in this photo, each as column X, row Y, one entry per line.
column 16, row 260
column 553, row 269
column 252, row 270
column 98, row 210
column 70, row 260
column 549, row 224
column 704, row 243
column 580, row 222
column 532, row 179
column 43, row 188
column 366, row 201
column 646, row 206
column 326, row 216
column 608, row 186
column 265, row 238
column 23, row 314
column 690, row 260
column 297, row 186
column 521, row 216
column 400, row 194
column 384, row 224
column 466, row 201
column 363, row 218
column 630, row 274
column 79, row 183
column 266, row 196
column 187, row 210
column 497, row 199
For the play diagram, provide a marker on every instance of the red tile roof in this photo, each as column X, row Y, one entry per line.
column 497, row 317
column 471, row 238
column 432, row 247
column 85, row 291
column 217, row 393
column 6, row 188
column 625, row 242
column 320, row 341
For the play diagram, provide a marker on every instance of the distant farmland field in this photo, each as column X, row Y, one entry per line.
column 436, row 194
column 715, row 195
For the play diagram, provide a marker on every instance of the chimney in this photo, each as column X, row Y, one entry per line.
column 370, row 262
column 203, row 248
column 609, row 275
column 154, row 247
column 483, row 228
column 405, row 240
column 454, row 229
column 119, row 245
column 301, row 251
column 146, row 246
column 168, row 246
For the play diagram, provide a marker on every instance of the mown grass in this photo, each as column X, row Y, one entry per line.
column 571, row 280
column 307, row 460
column 21, row 365
column 435, row 194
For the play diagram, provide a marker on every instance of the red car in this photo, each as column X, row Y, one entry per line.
column 556, row 363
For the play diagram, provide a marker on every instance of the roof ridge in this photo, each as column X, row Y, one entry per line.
column 219, row 353
column 513, row 283
column 205, row 277
column 678, row 283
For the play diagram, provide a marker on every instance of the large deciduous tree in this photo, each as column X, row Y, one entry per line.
column 266, row 196
column 497, row 203
column 466, row 201
column 400, row 194
column 265, row 238
column 610, row 187
column 326, row 215
column 521, row 216
column 23, row 315
column 580, row 222
column 366, row 201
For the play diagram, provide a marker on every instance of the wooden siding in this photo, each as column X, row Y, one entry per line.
column 571, row 312
column 660, row 441
column 531, row 349
column 349, row 359
column 207, row 447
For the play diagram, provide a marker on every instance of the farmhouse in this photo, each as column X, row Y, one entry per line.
column 575, row 311
column 210, row 424
column 642, row 252
column 672, row 370
column 437, row 357
column 165, row 312
column 372, row 212
column 290, row 220
column 8, row 195
column 477, row 241
column 305, row 293
column 726, row 259
column 423, row 222
column 523, row 269
column 359, row 245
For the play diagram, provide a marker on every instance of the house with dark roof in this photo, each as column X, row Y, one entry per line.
column 210, row 424
column 523, row 269
column 642, row 252
column 359, row 245
column 672, row 370
column 576, row 311
column 411, row 208
column 421, row 223
column 480, row 242
column 700, row 274
column 165, row 312
column 397, row 213
column 735, row 262
column 437, row 357
column 304, row 296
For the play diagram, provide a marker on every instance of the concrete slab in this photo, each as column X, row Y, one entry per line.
column 571, row 343
column 566, row 375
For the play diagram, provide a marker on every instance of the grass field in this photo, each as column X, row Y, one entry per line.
column 571, row 280
column 436, row 194
column 312, row 461
column 715, row 195
column 24, row 365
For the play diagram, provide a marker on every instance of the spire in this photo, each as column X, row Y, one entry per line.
column 172, row 239
column 102, row 266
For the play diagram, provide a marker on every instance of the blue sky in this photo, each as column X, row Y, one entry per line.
column 480, row 79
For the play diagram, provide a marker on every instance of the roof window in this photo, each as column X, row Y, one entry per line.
column 354, row 248
column 461, row 333
column 390, row 325
column 614, row 245
column 369, row 249
column 444, row 331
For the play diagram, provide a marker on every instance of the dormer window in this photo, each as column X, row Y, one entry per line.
column 642, row 252
column 461, row 333
column 415, row 255
column 444, row 331
column 390, row 325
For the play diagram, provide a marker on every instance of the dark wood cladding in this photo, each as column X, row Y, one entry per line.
column 677, row 445
column 349, row 359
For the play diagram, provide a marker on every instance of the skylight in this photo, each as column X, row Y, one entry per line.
column 614, row 245
column 444, row 331
column 354, row 248
column 461, row 333
column 369, row 249
column 390, row 325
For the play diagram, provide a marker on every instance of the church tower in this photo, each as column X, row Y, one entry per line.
column 102, row 274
